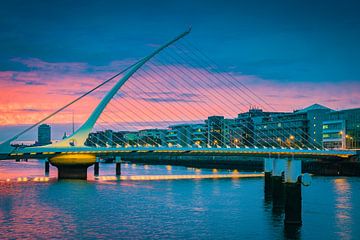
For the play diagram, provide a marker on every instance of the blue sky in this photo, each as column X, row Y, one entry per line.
column 278, row 40
column 293, row 53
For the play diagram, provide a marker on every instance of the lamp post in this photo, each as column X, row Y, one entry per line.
column 343, row 139
column 236, row 141
column 292, row 139
column 351, row 141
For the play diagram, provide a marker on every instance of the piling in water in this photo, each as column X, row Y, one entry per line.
column 96, row 169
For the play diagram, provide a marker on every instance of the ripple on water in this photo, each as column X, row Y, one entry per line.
column 181, row 209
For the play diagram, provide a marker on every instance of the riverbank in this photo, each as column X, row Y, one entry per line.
column 331, row 167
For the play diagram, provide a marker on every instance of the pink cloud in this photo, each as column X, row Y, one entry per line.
column 176, row 93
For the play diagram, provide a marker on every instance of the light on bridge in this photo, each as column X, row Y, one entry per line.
column 22, row 179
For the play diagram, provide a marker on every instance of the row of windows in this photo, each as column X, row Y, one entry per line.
column 281, row 125
column 332, row 126
column 331, row 135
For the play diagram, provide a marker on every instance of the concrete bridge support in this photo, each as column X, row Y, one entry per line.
column 293, row 192
column 118, row 165
column 283, row 177
column 278, row 191
column 72, row 166
column 47, row 167
column 268, row 168
column 96, row 166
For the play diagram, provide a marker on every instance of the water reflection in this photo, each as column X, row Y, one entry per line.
column 10, row 170
column 23, row 216
column 274, row 206
column 343, row 208
column 292, row 231
column 167, row 209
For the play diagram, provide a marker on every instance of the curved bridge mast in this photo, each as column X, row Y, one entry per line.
column 79, row 137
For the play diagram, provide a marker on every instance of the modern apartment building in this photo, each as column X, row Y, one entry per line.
column 341, row 130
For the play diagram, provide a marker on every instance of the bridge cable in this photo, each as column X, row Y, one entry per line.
column 222, row 73
column 188, row 111
column 199, row 78
column 222, row 95
column 242, row 97
column 75, row 100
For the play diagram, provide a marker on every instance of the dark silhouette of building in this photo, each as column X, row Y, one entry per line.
column 44, row 135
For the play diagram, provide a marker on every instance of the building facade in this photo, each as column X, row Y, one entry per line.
column 152, row 137
column 301, row 128
column 44, row 135
column 186, row 135
column 247, row 122
column 313, row 127
column 215, row 131
column 341, row 130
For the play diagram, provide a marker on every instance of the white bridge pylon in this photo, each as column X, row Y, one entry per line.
column 79, row 137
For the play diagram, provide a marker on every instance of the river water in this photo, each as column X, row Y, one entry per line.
column 166, row 209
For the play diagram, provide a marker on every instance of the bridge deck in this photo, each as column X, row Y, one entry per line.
column 38, row 152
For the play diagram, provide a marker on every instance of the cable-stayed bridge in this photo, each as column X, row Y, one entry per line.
column 167, row 88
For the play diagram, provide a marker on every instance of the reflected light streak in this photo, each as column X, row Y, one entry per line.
column 176, row 177
column 343, row 207
column 27, row 179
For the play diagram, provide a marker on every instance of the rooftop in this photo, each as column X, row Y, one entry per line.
column 313, row 107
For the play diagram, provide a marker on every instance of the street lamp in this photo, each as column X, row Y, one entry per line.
column 350, row 139
column 291, row 139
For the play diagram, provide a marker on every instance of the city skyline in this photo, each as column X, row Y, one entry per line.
column 35, row 82
column 171, row 119
column 312, row 119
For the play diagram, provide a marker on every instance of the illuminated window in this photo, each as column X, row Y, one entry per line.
column 325, row 126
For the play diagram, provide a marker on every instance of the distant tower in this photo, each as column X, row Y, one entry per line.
column 44, row 134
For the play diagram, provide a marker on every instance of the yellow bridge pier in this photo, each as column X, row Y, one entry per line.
column 72, row 166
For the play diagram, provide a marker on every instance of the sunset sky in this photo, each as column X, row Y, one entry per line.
column 291, row 53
